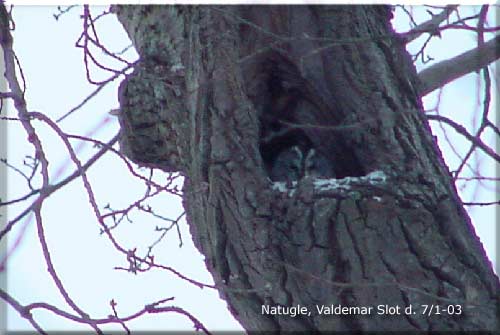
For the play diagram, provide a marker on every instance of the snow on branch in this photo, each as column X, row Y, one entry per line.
column 329, row 187
column 373, row 178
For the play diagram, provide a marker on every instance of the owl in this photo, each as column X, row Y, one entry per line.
column 317, row 165
column 288, row 165
column 292, row 164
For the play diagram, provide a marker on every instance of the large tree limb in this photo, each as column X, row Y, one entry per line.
column 442, row 73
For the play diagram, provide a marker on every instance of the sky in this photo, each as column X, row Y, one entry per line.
column 84, row 259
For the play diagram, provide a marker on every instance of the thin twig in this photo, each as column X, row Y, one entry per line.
column 461, row 130
column 429, row 26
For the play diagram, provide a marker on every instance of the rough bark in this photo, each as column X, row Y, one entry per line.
column 397, row 237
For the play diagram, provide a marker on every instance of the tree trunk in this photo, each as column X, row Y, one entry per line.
column 395, row 238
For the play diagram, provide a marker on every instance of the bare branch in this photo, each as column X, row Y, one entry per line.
column 51, row 189
column 21, row 310
column 446, row 71
column 487, row 89
column 482, row 203
column 96, row 91
column 429, row 26
column 153, row 308
column 461, row 130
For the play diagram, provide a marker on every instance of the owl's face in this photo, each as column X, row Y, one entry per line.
column 292, row 164
column 317, row 165
column 288, row 165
